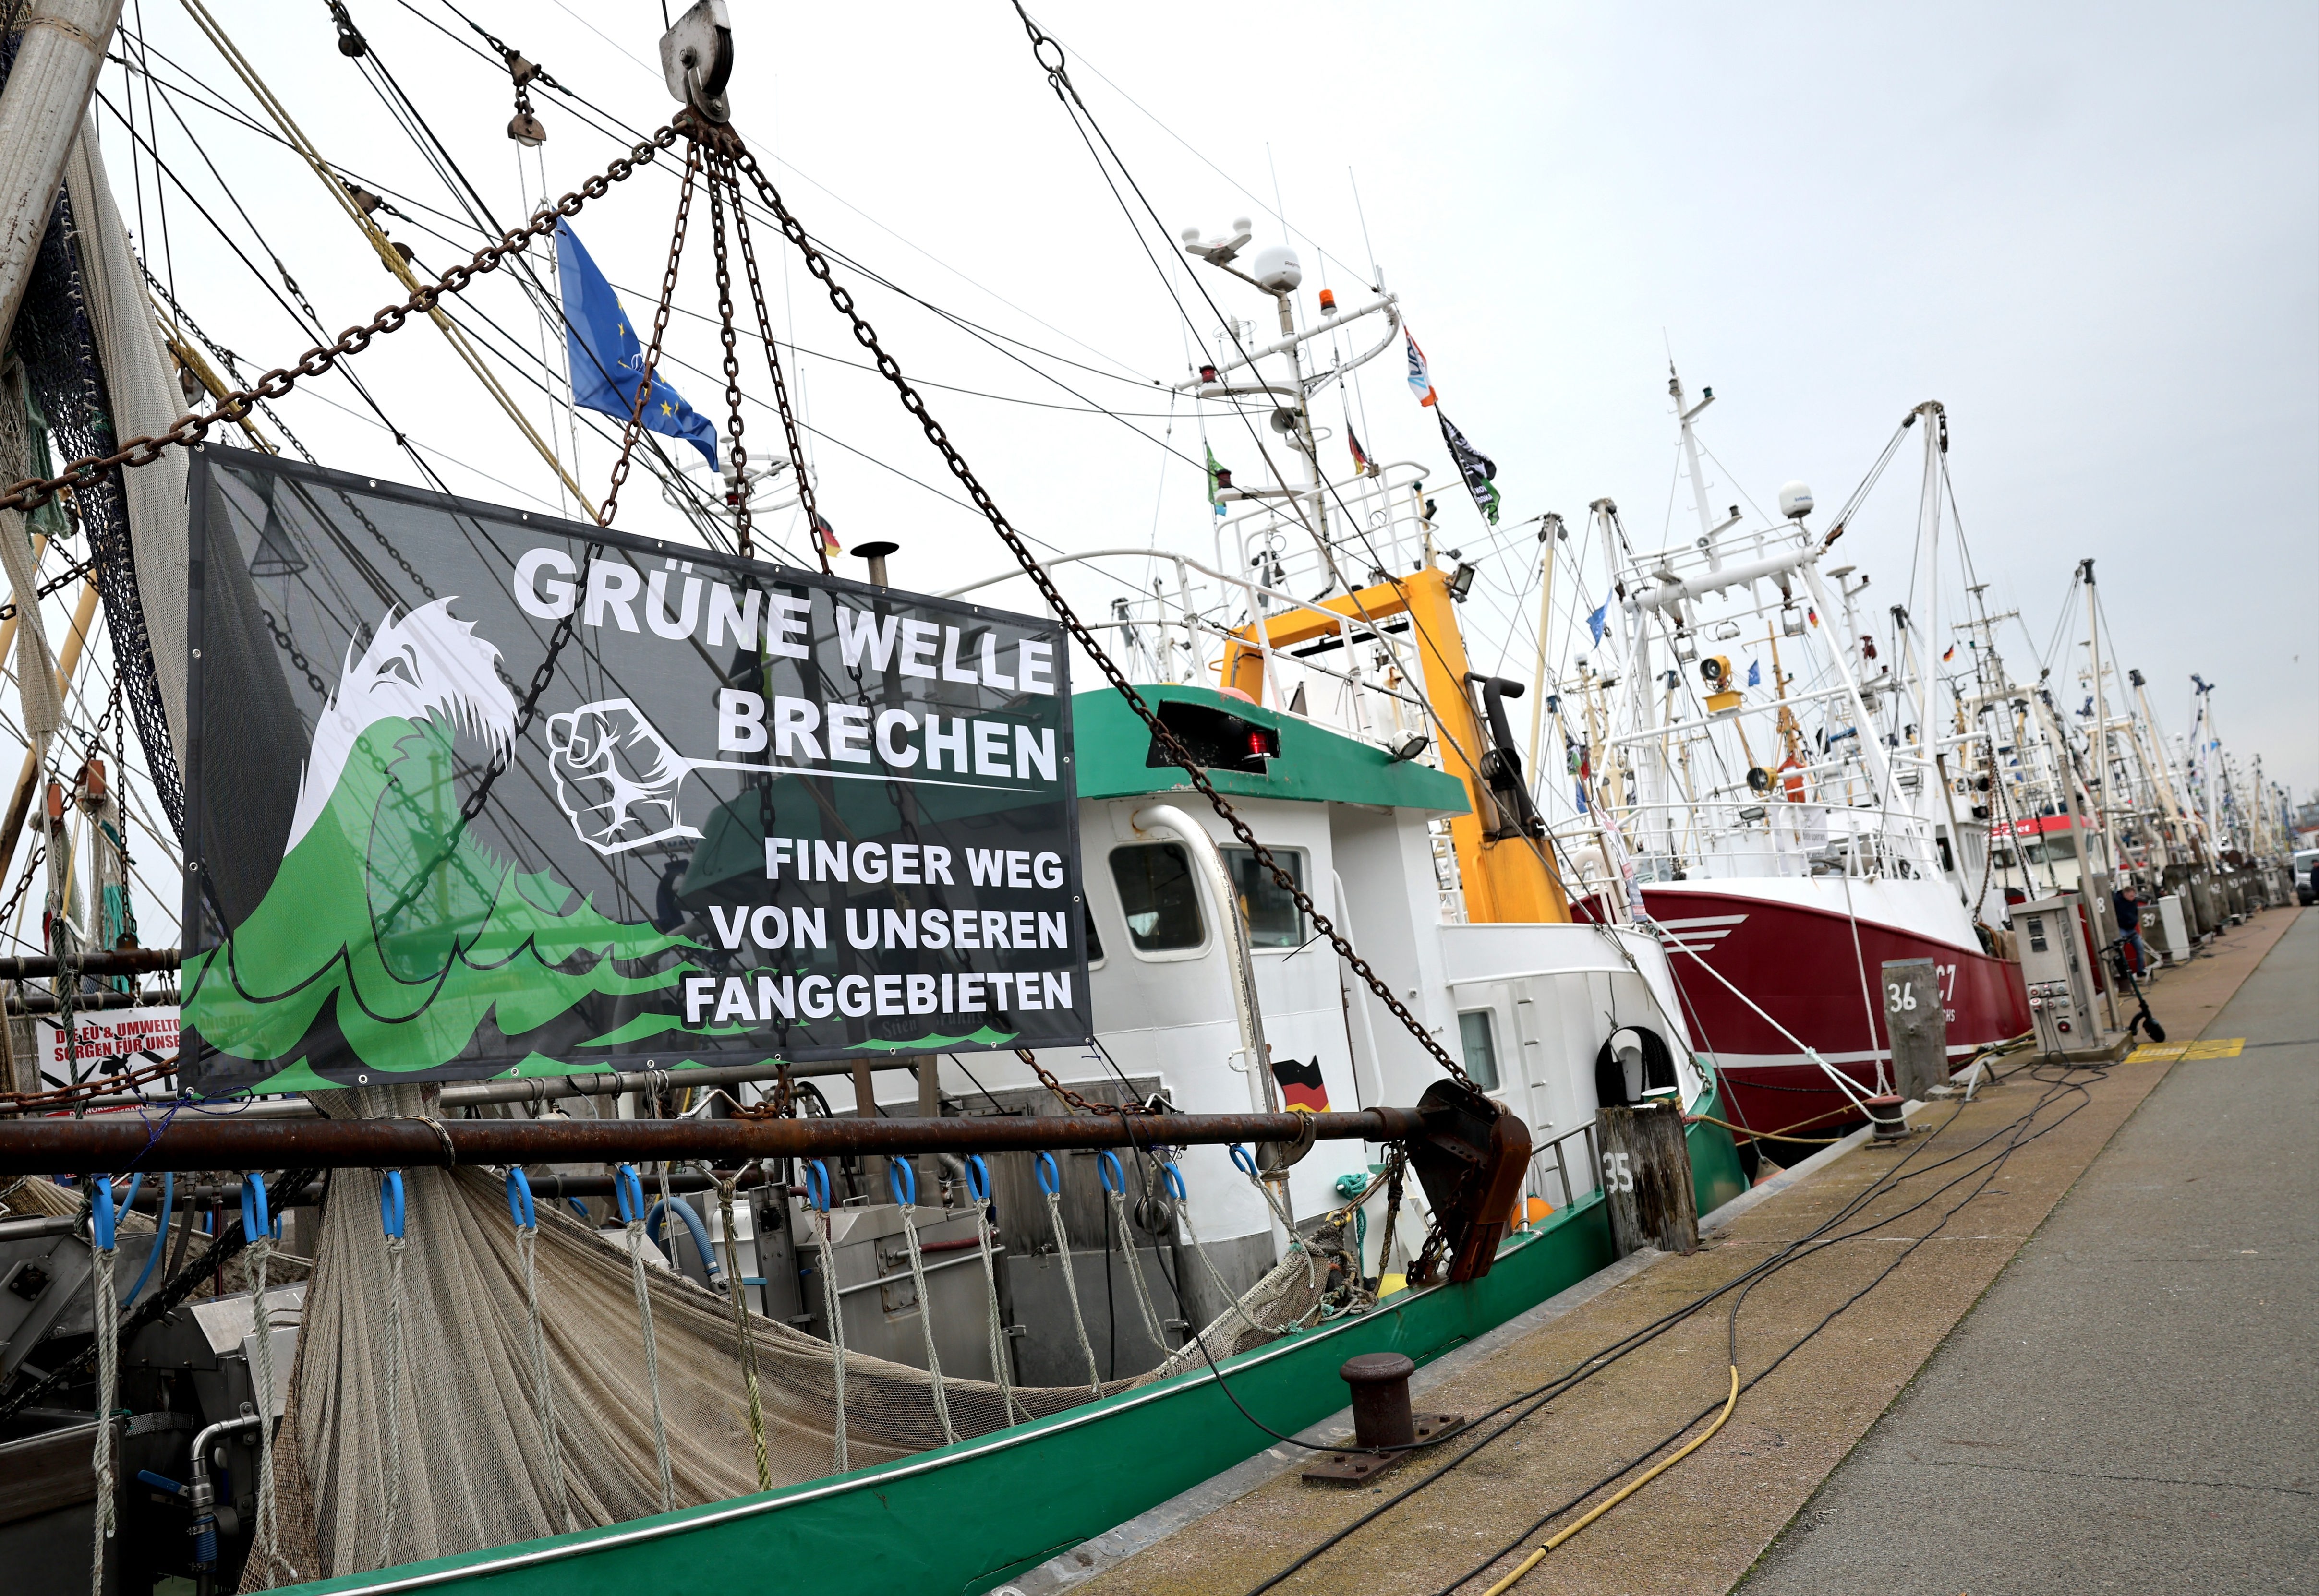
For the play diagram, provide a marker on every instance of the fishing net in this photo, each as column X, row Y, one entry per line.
column 88, row 342
column 476, row 1471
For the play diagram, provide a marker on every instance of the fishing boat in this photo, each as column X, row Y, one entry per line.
column 1788, row 832
column 476, row 879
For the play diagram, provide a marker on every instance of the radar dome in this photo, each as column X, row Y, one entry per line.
column 1796, row 500
column 1277, row 269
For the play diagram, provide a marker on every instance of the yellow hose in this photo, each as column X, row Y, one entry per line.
column 1559, row 1536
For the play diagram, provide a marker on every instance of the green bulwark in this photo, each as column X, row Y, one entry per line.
column 967, row 1517
column 1315, row 765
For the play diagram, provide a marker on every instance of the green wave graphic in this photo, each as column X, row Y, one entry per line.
column 421, row 933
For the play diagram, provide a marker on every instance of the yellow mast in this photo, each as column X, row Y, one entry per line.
column 1506, row 879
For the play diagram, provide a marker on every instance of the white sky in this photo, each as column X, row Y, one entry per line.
column 2091, row 231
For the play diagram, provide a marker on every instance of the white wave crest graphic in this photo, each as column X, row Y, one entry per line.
column 419, row 665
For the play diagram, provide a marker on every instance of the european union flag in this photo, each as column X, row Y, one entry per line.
column 1755, row 674
column 1599, row 619
column 607, row 357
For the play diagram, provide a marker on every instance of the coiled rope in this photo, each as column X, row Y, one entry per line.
column 390, row 1219
column 817, row 1192
column 630, row 1189
column 1115, row 1187
column 746, row 1332
column 543, row 1390
column 107, row 1314
column 904, row 1180
column 1051, row 1181
column 977, row 1190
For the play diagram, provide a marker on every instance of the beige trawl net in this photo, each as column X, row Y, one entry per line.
column 475, row 1471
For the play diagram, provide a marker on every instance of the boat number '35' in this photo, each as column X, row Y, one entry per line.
column 1618, row 1173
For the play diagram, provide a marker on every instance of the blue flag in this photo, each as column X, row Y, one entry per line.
column 607, row 358
column 1597, row 621
column 1755, row 674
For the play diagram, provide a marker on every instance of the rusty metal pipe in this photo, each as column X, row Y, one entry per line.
column 97, row 963
column 60, row 1146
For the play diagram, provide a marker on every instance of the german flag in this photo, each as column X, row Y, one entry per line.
column 1302, row 1089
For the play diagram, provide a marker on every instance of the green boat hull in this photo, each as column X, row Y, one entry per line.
column 969, row 1517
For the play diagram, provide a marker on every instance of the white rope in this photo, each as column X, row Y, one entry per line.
column 1000, row 1364
column 1072, row 1289
column 1136, row 1273
column 744, row 1330
column 543, row 1396
column 256, row 1261
column 395, row 1248
column 1184, row 1218
column 926, row 1322
column 652, row 1365
column 108, row 1389
column 837, row 1326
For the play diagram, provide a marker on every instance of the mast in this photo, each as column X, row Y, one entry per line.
column 2101, row 772
column 1928, row 537
column 48, row 94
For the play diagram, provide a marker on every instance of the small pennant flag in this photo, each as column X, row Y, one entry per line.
column 1755, row 674
column 1599, row 619
column 1420, row 382
column 825, row 536
column 1476, row 467
column 1219, row 479
column 1302, row 1089
column 1360, row 456
column 1812, row 615
column 1950, row 654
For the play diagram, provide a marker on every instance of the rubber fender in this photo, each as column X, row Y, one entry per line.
column 1615, row 1085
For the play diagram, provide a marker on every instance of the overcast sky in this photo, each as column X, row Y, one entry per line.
column 2092, row 232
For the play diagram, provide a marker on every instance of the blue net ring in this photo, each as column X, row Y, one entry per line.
column 1174, row 1177
column 629, row 1192
column 390, row 1204
column 817, row 1184
column 977, row 1178
column 1050, row 1178
column 254, row 1221
column 1243, row 1160
column 100, row 1213
column 903, row 1181
column 518, row 1195
column 1107, row 1170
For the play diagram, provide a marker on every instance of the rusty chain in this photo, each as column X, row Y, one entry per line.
column 736, row 459
column 1165, row 740
column 773, row 363
column 193, row 427
column 629, row 432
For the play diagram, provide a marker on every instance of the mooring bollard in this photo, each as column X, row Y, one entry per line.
column 1380, row 1383
column 1884, row 1114
column 1381, row 1419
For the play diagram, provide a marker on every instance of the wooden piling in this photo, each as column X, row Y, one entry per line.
column 1646, row 1175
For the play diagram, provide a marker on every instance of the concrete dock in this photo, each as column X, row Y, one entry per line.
column 2064, row 1342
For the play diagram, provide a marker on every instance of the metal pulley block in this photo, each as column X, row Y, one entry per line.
column 696, row 60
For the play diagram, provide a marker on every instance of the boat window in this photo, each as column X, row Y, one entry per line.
column 1479, row 1038
column 1274, row 920
column 1158, row 896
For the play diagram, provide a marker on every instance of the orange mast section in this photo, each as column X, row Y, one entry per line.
column 1505, row 879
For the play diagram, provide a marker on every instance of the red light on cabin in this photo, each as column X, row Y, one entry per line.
column 1207, row 373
